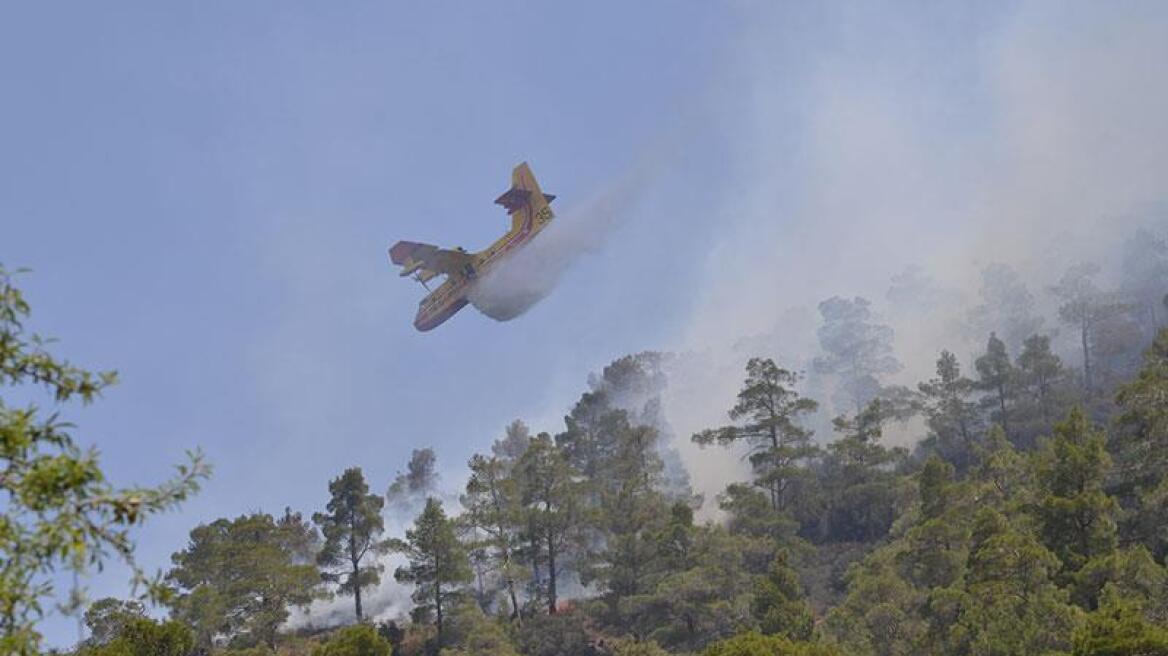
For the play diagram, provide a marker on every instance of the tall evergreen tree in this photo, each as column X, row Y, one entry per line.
column 437, row 563
column 769, row 413
column 107, row 618
column 855, row 347
column 238, row 578
column 1041, row 379
column 493, row 506
column 552, row 505
column 779, row 606
column 514, row 442
column 950, row 414
column 1014, row 605
column 1077, row 517
column 1007, row 307
column 1142, row 440
column 1141, row 451
column 1084, row 306
column 935, row 556
column 624, row 561
column 410, row 488
column 1145, row 276
column 996, row 377
column 856, row 478
column 352, row 527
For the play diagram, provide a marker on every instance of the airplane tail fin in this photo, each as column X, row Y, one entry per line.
column 524, row 191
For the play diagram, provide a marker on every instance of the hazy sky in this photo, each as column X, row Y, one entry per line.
column 205, row 193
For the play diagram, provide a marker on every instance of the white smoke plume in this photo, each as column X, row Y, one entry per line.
column 389, row 600
column 511, row 287
column 873, row 140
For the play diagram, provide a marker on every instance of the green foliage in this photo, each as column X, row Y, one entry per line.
column 494, row 510
column 437, row 561
column 1084, row 307
column 996, row 376
column 750, row 514
column 359, row 640
column 420, row 480
column 755, row 644
column 106, row 618
column 860, row 494
column 950, row 414
column 1000, row 537
column 351, row 526
column 878, row 614
column 144, row 637
column 1120, row 628
column 1129, row 572
column 1042, row 390
column 768, row 413
column 630, row 516
column 1014, row 605
column 1141, row 450
column 703, row 591
column 478, row 635
column 778, row 604
column 552, row 510
column 1076, row 515
column 60, row 511
column 1007, row 307
column 935, row 555
column 560, row 634
column 635, row 648
column 856, row 349
column 238, row 577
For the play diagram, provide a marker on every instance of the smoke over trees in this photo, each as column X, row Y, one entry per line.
column 1024, row 514
column 856, row 349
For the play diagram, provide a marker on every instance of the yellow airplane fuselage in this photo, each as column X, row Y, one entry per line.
column 451, row 295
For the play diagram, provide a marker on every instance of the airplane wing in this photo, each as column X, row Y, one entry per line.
column 427, row 260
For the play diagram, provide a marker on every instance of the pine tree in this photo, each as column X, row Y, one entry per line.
column 769, row 412
column 996, row 376
column 1007, row 307
column 1041, row 386
column 856, row 348
column 1084, row 306
column 411, row 487
column 351, row 528
column 855, row 478
column 437, row 562
column 1077, row 517
column 552, row 506
column 238, row 578
column 778, row 604
column 950, row 415
column 1014, row 605
column 1140, row 446
column 494, row 507
column 1120, row 628
column 936, row 552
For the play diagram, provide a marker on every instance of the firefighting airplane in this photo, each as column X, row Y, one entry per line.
column 530, row 213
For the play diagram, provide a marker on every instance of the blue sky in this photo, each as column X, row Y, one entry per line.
column 205, row 193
